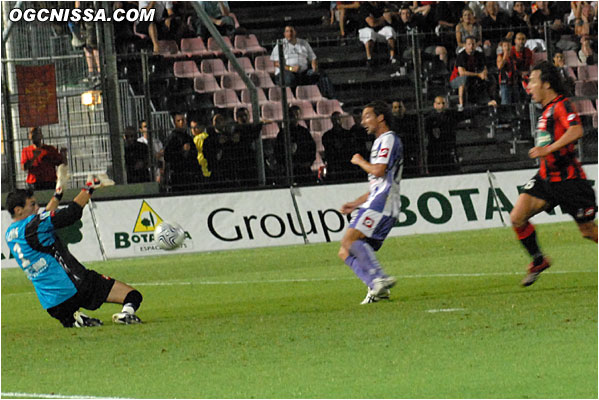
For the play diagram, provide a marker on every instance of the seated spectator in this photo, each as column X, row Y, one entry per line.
column 338, row 151
column 468, row 28
column 180, row 156
column 243, row 147
column 584, row 18
column 441, row 149
column 301, row 147
column 543, row 14
column 522, row 55
column 362, row 140
column 219, row 13
column 158, row 149
column 472, row 73
column 521, row 59
column 136, row 157
column 496, row 26
column 559, row 61
column 155, row 29
column 301, row 65
column 348, row 10
column 447, row 14
column 406, row 127
column 404, row 23
column 199, row 133
column 40, row 161
column 520, row 19
column 376, row 27
column 586, row 54
column 508, row 73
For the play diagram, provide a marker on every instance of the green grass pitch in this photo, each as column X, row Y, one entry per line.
column 286, row 322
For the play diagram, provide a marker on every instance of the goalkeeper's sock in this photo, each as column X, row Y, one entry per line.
column 132, row 302
column 528, row 238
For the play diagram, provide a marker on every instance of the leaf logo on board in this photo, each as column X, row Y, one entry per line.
column 147, row 219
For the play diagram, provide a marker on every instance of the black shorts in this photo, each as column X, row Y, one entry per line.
column 91, row 294
column 575, row 196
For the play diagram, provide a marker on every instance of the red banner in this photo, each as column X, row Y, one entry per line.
column 37, row 95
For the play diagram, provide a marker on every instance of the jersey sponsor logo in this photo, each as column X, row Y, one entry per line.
column 571, row 117
column 368, row 222
column 542, row 124
column 45, row 215
column 384, row 153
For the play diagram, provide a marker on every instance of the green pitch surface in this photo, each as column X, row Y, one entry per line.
column 286, row 323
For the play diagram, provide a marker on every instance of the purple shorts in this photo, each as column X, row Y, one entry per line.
column 373, row 224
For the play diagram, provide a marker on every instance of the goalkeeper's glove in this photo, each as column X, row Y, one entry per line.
column 62, row 180
column 96, row 181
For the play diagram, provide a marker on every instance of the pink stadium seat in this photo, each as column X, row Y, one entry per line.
column 318, row 126
column 264, row 63
column 213, row 46
column 571, row 73
column 538, row 56
column 232, row 81
column 274, row 94
column 248, row 44
column 185, row 69
column 584, row 107
column 214, row 66
column 571, row 58
column 269, row 131
column 262, row 79
column 306, row 107
column 168, row 48
column 308, row 92
column 272, row 112
column 195, row 47
column 587, row 72
column 246, row 64
column 327, row 107
column 205, row 83
column 585, row 88
column 246, row 98
column 226, row 98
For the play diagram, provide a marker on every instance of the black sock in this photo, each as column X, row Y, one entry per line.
column 133, row 298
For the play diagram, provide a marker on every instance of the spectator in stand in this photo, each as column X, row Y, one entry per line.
column 522, row 55
column 406, row 127
column 219, row 12
column 404, row 23
column 243, row 142
column 180, row 156
column 361, row 139
column 543, row 14
column 521, row 58
column 338, row 151
column 159, row 26
column 301, row 65
column 158, row 149
column 559, row 61
column 90, row 48
column 348, row 10
column 472, row 73
column 586, row 54
column 40, row 161
column 584, row 18
column 520, row 19
column 136, row 157
column 216, row 152
column 447, row 15
column 496, row 26
column 441, row 149
column 468, row 27
column 199, row 133
column 377, row 27
column 301, row 147
column 508, row 73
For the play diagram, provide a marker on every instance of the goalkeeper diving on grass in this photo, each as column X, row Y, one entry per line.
column 63, row 285
column 374, row 213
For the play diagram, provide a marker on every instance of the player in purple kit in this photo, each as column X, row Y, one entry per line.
column 374, row 213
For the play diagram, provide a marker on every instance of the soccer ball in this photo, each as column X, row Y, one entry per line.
column 169, row 235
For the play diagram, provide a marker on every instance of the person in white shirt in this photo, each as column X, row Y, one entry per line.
column 301, row 65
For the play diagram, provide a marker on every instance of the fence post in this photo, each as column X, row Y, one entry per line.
column 9, row 132
column 418, row 94
column 285, row 109
column 145, row 73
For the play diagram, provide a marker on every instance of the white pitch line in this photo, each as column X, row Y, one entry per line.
column 52, row 396
column 300, row 280
column 437, row 310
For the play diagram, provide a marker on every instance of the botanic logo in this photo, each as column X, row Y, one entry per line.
column 143, row 230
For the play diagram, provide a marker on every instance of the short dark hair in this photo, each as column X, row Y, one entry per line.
column 380, row 107
column 550, row 74
column 470, row 37
column 18, row 198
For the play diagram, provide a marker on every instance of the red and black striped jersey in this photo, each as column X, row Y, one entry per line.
column 557, row 117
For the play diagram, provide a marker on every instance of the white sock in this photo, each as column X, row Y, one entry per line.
column 127, row 308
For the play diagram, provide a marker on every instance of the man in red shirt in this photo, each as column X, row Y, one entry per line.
column 40, row 161
column 560, row 180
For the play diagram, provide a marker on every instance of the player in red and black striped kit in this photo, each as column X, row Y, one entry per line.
column 560, row 180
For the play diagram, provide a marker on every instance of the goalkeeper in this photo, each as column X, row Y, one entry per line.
column 62, row 284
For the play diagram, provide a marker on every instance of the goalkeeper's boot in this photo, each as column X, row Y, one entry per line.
column 380, row 285
column 370, row 298
column 82, row 320
column 125, row 318
column 534, row 271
